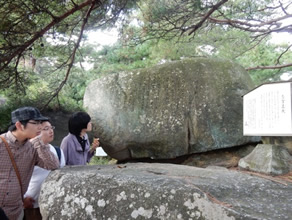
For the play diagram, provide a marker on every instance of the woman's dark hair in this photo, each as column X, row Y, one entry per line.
column 12, row 127
column 77, row 122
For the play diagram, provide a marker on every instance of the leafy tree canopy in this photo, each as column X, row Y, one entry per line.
column 41, row 49
column 194, row 19
column 237, row 30
column 52, row 30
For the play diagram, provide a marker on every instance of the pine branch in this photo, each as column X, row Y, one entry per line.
column 206, row 16
column 93, row 2
column 269, row 67
column 5, row 60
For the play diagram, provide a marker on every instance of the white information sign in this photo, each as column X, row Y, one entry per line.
column 267, row 110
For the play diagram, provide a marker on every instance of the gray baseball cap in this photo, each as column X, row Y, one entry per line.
column 27, row 113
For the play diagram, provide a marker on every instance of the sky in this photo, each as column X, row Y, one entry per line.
column 278, row 38
column 100, row 38
column 103, row 37
column 283, row 37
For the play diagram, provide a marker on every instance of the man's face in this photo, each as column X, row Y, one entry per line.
column 32, row 129
column 47, row 132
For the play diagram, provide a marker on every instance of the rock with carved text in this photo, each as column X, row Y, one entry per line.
column 170, row 110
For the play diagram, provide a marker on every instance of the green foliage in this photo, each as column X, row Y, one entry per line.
column 157, row 10
column 235, row 45
column 246, row 9
column 13, row 101
column 118, row 58
column 37, row 92
column 264, row 55
column 99, row 160
column 164, row 21
column 5, row 118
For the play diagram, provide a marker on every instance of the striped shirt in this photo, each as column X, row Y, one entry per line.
column 26, row 156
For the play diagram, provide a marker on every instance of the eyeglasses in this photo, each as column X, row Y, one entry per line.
column 48, row 128
column 34, row 122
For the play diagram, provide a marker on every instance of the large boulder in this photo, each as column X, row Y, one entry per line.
column 162, row 191
column 170, row 110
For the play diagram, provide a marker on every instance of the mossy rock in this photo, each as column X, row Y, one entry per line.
column 170, row 110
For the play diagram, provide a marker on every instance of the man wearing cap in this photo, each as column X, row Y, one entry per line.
column 28, row 150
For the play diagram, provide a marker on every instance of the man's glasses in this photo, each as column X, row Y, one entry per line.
column 34, row 122
column 48, row 128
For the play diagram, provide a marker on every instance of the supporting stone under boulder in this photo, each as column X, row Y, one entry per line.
column 285, row 141
column 269, row 159
column 162, row 191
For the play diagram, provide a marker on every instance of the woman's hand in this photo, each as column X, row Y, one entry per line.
column 95, row 144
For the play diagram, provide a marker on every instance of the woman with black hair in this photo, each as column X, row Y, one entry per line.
column 75, row 145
